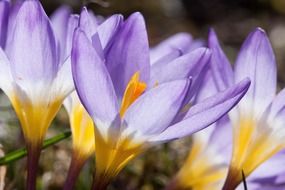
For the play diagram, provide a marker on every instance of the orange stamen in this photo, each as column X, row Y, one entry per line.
column 134, row 89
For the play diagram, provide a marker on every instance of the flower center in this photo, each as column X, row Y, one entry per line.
column 134, row 89
column 112, row 155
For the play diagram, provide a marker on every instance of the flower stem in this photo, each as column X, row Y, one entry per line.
column 77, row 162
column 100, row 182
column 233, row 179
column 22, row 152
column 34, row 150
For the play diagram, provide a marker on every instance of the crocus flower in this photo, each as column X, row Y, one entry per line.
column 83, row 139
column 257, row 121
column 129, row 115
column 208, row 160
column 33, row 78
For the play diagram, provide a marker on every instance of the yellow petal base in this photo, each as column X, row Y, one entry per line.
column 82, row 131
column 35, row 118
column 199, row 172
column 254, row 143
column 115, row 151
column 112, row 157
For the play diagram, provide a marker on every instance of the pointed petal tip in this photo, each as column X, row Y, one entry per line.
column 137, row 16
column 259, row 29
column 212, row 38
column 84, row 9
column 212, row 31
column 258, row 33
column 244, row 84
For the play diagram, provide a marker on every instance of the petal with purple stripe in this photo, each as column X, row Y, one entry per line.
column 129, row 53
column 181, row 41
column 222, row 70
column 155, row 110
column 205, row 113
column 256, row 60
column 59, row 20
column 32, row 50
column 92, row 81
column 4, row 15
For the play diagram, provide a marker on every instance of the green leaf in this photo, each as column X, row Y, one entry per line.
column 20, row 153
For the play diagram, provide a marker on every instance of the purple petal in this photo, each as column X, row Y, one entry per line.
column 183, row 67
column 108, row 28
column 198, row 74
column 221, row 138
column 71, row 26
column 32, row 50
column 4, row 15
column 87, row 24
column 167, row 58
column 5, row 73
column 277, row 108
column 205, row 113
column 180, row 41
column 105, row 33
column 59, row 21
column 129, row 53
column 208, row 87
column 256, row 61
column 222, row 70
column 92, row 81
column 270, row 168
column 63, row 82
column 155, row 109
column 199, row 70
column 14, row 9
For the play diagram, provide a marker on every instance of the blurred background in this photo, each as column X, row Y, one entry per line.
column 232, row 20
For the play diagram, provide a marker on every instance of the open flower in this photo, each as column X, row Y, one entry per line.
column 258, row 121
column 112, row 80
column 208, row 160
column 33, row 77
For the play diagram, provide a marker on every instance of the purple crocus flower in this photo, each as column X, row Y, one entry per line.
column 258, row 119
column 129, row 114
column 33, row 77
column 209, row 158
